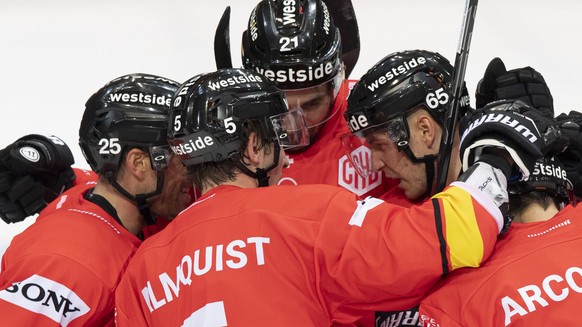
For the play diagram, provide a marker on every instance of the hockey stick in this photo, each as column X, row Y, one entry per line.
column 344, row 18
column 222, row 41
column 453, row 113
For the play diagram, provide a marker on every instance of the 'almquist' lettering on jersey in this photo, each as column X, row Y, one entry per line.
column 46, row 297
column 553, row 288
column 233, row 255
column 395, row 72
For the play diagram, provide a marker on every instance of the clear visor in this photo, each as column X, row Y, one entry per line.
column 396, row 131
column 160, row 156
column 290, row 129
column 316, row 101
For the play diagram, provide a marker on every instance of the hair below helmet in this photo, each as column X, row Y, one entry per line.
column 294, row 43
column 129, row 112
column 399, row 83
column 209, row 111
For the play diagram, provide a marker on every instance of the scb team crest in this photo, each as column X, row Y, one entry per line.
column 349, row 178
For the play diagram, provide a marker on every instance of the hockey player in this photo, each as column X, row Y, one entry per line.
column 297, row 45
column 534, row 275
column 293, row 255
column 64, row 269
column 35, row 169
column 398, row 108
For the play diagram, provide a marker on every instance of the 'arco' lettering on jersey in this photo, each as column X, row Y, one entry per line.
column 216, row 258
column 553, row 288
column 349, row 178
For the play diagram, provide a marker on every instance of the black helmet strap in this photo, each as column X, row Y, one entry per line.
column 139, row 199
column 430, row 162
column 261, row 173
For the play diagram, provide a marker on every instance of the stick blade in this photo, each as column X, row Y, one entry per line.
column 344, row 18
column 222, row 55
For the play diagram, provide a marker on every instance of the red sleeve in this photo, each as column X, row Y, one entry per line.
column 433, row 317
column 390, row 256
column 51, row 290
column 129, row 307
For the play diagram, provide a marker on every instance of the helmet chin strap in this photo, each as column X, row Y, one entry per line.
column 430, row 162
column 140, row 199
column 261, row 173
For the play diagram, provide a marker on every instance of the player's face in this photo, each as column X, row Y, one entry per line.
column 396, row 164
column 176, row 192
column 316, row 103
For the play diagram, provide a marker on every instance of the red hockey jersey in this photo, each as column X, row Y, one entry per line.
column 63, row 270
column 326, row 162
column 297, row 255
column 533, row 278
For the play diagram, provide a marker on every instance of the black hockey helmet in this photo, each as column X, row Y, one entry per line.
column 548, row 176
column 209, row 111
column 399, row 83
column 131, row 111
column 294, row 43
column 392, row 89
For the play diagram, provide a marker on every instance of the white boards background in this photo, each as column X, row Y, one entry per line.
column 55, row 54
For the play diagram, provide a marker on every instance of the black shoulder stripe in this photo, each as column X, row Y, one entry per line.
column 441, row 236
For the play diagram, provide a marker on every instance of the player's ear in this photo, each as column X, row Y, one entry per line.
column 253, row 151
column 137, row 163
column 427, row 129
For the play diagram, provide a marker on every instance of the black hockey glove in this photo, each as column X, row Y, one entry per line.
column 513, row 126
column 34, row 170
column 525, row 84
column 571, row 127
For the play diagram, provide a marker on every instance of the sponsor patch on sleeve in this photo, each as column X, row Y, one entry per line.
column 46, row 297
